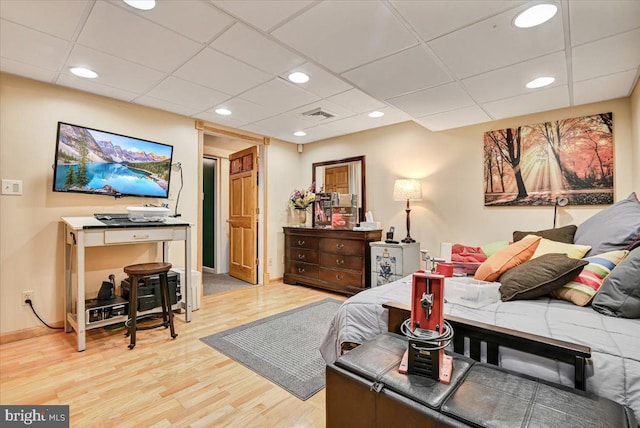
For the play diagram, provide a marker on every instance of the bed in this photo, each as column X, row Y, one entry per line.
column 569, row 308
column 612, row 371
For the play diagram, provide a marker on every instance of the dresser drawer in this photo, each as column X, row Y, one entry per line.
column 303, row 269
column 298, row 241
column 341, row 277
column 117, row 236
column 302, row 255
column 341, row 261
column 342, row 246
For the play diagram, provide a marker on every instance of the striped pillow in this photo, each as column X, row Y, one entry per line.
column 581, row 290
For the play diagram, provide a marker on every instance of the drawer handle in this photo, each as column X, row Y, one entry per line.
column 140, row 236
column 301, row 256
column 300, row 270
column 339, row 277
column 300, row 242
column 340, row 246
column 339, row 262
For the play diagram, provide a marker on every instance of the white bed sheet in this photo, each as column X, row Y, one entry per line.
column 612, row 372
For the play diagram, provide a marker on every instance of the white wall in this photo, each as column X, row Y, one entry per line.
column 635, row 133
column 31, row 236
column 449, row 165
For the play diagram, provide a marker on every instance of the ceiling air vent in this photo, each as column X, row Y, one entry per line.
column 318, row 114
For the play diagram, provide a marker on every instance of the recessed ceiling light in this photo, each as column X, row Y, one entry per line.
column 141, row 4
column 83, row 72
column 376, row 114
column 298, row 77
column 535, row 15
column 299, row 133
column 223, row 111
column 540, row 82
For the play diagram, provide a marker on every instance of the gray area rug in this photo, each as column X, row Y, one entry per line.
column 283, row 347
column 213, row 283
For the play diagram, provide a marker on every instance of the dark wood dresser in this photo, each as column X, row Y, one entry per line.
column 336, row 260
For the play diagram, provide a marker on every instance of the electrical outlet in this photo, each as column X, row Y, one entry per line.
column 269, row 261
column 27, row 295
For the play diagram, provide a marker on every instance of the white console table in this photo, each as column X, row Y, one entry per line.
column 83, row 232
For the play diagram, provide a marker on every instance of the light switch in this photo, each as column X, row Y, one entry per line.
column 11, row 187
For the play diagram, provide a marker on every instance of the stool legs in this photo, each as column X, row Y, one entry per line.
column 133, row 310
column 166, row 303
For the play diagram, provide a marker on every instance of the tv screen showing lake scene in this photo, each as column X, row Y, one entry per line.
column 103, row 163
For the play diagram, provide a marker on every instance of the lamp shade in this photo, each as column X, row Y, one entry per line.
column 407, row 189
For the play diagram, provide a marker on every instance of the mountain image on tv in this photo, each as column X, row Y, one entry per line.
column 93, row 161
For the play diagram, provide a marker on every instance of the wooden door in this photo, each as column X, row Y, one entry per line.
column 243, row 205
column 336, row 179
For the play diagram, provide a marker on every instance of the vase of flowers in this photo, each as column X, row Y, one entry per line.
column 300, row 201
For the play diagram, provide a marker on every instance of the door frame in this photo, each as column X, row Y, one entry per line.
column 263, row 143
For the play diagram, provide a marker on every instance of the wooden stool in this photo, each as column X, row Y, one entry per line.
column 136, row 273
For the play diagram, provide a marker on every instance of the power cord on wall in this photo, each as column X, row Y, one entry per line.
column 28, row 302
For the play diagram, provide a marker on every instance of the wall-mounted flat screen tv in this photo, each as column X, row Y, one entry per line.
column 103, row 163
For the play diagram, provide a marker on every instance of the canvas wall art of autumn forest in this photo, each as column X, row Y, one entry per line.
column 535, row 164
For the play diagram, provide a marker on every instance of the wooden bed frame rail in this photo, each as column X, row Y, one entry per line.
column 495, row 337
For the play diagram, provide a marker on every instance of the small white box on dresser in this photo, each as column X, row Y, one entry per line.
column 390, row 262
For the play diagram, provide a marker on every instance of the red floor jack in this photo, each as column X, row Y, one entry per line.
column 427, row 330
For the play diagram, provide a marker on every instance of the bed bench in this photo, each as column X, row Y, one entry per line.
column 476, row 333
column 365, row 389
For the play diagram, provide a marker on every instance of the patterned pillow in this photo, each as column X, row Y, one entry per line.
column 581, row 290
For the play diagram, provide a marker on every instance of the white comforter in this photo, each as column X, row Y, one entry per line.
column 613, row 371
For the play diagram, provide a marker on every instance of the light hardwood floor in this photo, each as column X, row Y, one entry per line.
column 162, row 382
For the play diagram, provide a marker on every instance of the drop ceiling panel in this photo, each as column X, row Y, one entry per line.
column 31, row 47
column 321, row 82
column 356, row 101
column 591, row 20
column 279, row 96
column 495, row 43
column 218, row 71
column 406, row 71
column 343, row 35
column 144, row 42
column 222, row 120
column 26, row 70
column 511, row 80
column 165, row 105
column 113, row 71
column 95, row 87
column 602, row 88
column 282, row 124
column 243, row 111
column 607, row 56
column 197, row 20
column 187, row 94
column 455, row 118
column 57, row 18
column 245, row 44
column 263, row 14
column 546, row 99
column 435, row 18
column 434, row 100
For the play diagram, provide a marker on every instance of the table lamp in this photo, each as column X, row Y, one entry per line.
column 407, row 190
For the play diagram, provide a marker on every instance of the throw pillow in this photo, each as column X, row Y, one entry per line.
column 562, row 234
column 492, row 247
column 548, row 246
column 581, row 290
column 614, row 228
column 619, row 295
column 537, row 277
column 506, row 258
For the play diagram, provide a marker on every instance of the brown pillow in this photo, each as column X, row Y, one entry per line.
column 539, row 276
column 562, row 234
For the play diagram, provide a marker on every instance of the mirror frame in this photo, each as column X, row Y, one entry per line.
column 362, row 209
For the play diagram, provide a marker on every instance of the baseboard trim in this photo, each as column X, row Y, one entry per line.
column 279, row 279
column 29, row 333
